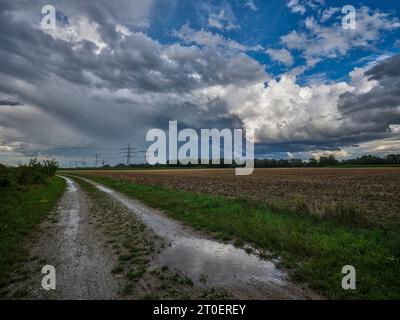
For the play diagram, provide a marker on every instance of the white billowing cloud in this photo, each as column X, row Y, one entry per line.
column 319, row 41
column 281, row 55
column 285, row 111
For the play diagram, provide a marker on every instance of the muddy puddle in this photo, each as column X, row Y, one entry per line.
column 212, row 263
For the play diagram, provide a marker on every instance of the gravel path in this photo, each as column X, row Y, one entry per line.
column 69, row 242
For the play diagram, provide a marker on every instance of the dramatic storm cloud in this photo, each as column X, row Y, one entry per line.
column 379, row 108
column 111, row 71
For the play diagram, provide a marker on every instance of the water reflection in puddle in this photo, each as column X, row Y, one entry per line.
column 220, row 262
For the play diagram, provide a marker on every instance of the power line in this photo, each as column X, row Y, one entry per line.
column 128, row 153
column 128, row 156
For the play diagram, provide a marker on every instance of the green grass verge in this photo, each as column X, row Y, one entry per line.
column 316, row 250
column 21, row 210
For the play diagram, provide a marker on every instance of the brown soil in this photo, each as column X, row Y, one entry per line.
column 374, row 190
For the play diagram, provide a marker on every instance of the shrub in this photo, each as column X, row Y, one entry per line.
column 35, row 172
column 6, row 179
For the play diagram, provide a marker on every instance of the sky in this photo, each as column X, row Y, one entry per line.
column 112, row 70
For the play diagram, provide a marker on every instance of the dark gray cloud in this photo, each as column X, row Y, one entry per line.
column 77, row 99
column 327, row 144
column 136, row 62
column 10, row 103
column 379, row 108
column 388, row 68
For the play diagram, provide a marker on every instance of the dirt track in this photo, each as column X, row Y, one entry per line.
column 72, row 243
column 68, row 241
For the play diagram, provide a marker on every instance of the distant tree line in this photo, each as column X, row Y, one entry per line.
column 324, row 161
column 35, row 172
column 328, row 161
